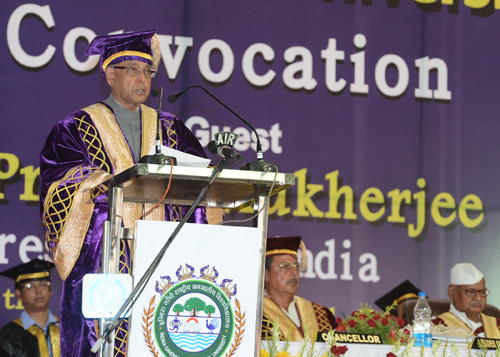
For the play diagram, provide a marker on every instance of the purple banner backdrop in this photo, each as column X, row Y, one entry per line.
column 386, row 111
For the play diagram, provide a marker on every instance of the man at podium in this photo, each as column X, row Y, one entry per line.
column 293, row 313
column 88, row 147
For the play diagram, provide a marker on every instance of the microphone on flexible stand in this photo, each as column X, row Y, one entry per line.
column 158, row 158
column 223, row 146
column 260, row 164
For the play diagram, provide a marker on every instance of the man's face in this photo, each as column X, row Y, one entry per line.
column 128, row 90
column 470, row 305
column 280, row 280
column 35, row 299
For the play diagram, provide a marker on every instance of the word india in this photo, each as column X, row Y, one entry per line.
column 297, row 75
column 374, row 206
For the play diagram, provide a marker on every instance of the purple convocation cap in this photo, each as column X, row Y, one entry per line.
column 123, row 47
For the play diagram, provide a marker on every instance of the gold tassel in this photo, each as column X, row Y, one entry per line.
column 155, row 47
column 303, row 263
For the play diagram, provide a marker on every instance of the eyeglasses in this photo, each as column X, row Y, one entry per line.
column 39, row 284
column 135, row 71
column 472, row 292
column 288, row 266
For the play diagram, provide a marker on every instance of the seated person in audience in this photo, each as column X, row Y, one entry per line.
column 293, row 313
column 467, row 292
column 404, row 291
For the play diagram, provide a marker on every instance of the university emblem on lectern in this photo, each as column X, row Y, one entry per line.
column 195, row 316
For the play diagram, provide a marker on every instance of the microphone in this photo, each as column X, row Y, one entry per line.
column 223, row 145
column 158, row 158
column 157, row 92
column 260, row 165
column 224, row 151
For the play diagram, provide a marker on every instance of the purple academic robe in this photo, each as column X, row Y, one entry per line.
column 82, row 151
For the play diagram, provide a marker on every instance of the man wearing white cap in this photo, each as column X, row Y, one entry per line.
column 467, row 292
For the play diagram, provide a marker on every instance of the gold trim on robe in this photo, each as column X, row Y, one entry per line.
column 489, row 323
column 120, row 155
column 307, row 317
column 77, row 222
column 306, row 314
column 115, row 145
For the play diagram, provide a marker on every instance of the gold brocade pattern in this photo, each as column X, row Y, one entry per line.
column 172, row 135
column 175, row 213
column 67, row 213
column 118, row 151
column 89, row 135
column 267, row 327
column 60, row 203
column 124, row 269
column 321, row 318
column 120, row 340
column 53, row 218
column 120, row 155
column 59, row 207
column 98, row 190
column 112, row 137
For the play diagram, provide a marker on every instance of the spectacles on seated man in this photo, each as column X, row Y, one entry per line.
column 472, row 292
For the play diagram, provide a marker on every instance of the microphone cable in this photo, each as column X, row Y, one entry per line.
column 166, row 191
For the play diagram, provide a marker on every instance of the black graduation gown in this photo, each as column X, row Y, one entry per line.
column 15, row 341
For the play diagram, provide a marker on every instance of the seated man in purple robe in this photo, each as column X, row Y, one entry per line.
column 87, row 148
column 467, row 292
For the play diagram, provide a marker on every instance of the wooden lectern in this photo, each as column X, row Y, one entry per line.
column 146, row 183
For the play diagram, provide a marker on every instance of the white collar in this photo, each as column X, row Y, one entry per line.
column 463, row 317
column 292, row 312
